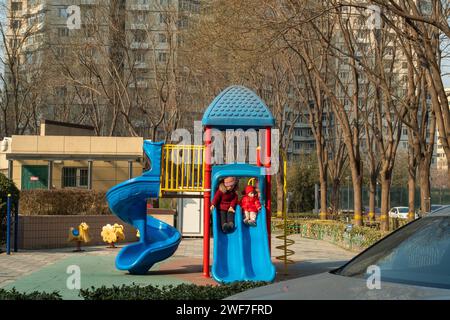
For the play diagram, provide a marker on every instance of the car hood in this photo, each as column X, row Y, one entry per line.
column 328, row 286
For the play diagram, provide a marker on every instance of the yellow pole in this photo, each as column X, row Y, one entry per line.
column 166, row 169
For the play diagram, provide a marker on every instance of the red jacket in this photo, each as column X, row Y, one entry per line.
column 250, row 204
column 225, row 199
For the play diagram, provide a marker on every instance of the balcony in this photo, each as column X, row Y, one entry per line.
column 139, row 7
column 88, row 2
column 140, row 65
column 139, row 26
column 139, row 84
column 139, row 45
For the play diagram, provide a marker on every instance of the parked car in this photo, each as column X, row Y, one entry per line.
column 413, row 263
column 401, row 213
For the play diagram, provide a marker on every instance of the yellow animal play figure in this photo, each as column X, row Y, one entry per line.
column 79, row 235
column 112, row 234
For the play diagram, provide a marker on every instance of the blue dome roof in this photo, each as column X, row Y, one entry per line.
column 238, row 107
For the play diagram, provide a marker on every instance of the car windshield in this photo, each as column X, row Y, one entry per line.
column 417, row 254
column 403, row 210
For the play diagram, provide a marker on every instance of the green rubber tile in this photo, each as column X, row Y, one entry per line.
column 95, row 271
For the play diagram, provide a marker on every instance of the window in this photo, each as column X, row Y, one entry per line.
column 62, row 13
column 140, row 17
column 74, row 177
column 60, row 52
column 16, row 6
column 162, row 56
column 61, row 92
column 162, row 38
column 163, row 18
column 63, row 32
column 183, row 23
column 140, row 57
column 29, row 57
column 140, row 36
column 418, row 254
column 15, row 24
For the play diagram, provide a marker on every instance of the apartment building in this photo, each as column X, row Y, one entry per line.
column 98, row 58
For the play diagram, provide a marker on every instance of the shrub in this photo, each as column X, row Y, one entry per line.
column 63, row 202
column 357, row 237
column 35, row 295
column 6, row 187
column 179, row 292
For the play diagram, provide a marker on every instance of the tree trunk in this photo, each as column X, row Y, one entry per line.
column 323, row 199
column 424, row 179
column 385, row 199
column 372, row 195
column 335, row 196
column 357, row 197
column 411, row 186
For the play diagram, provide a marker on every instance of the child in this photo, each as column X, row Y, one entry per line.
column 250, row 205
column 226, row 198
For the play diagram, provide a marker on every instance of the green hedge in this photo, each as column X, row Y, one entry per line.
column 335, row 232
column 35, row 295
column 179, row 292
column 63, row 202
column 136, row 292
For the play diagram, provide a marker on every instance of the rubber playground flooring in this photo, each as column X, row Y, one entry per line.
column 97, row 268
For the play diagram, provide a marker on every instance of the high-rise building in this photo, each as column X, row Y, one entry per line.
column 99, row 60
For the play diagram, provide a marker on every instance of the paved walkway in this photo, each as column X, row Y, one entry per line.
column 46, row 270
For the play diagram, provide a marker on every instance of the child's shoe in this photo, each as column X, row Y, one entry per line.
column 246, row 221
column 225, row 228
column 252, row 223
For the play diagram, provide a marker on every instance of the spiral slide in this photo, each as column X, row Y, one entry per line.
column 128, row 200
column 242, row 254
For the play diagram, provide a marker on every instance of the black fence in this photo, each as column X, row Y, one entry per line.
column 398, row 197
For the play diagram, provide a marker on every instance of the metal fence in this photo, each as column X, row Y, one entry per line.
column 398, row 197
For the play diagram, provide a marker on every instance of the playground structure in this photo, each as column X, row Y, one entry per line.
column 171, row 170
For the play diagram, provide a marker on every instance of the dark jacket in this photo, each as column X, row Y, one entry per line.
column 224, row 199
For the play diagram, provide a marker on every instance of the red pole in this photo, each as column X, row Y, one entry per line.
column 206, row 202
column 267, row 164
column 258, row 156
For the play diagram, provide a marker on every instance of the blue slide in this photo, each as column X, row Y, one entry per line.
column 128, row 200
column 242, row 254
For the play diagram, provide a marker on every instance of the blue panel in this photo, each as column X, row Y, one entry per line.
column 238, row 107
column 128, row 200
column 242, row 254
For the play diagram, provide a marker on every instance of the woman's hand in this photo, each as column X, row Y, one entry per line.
column 211, row 208
column 231, row 209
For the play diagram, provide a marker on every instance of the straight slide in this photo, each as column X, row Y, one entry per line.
column 243, row 254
